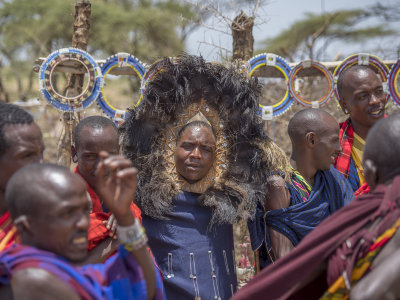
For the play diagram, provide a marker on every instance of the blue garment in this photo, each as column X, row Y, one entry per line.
column 120, row 277
column 330, row 192
column 353, row 178
column 196, row 261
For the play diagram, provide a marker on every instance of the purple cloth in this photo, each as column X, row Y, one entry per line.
column 120, row 277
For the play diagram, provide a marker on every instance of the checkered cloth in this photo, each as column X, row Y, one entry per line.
column 97, row 229
column 343, row 160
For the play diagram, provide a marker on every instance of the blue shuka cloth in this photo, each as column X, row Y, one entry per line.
column 330, row 192
column 196, row 261
column 353, row 176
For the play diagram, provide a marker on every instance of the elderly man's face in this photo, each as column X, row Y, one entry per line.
column 24, row 146
column 92, row 141
column 364, row 97
column 62, row 225
column 195, row 153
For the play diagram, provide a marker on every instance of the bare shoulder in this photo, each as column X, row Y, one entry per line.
column 35, row 283
column 278, row 194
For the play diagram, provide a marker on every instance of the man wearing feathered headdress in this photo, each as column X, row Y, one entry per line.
column 196, row 140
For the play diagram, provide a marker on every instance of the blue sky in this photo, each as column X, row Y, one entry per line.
column 278, row 15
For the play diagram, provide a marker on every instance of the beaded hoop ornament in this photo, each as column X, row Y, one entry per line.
column 273, row 60
column 118, row 60
column 374, row 62
column 296, row 93
column 392, row 82
column 151, row 72
column 90, row 92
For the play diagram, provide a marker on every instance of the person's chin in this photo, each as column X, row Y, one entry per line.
column 77, row 256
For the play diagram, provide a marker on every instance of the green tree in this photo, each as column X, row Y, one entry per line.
column 309, row 37
column 144, row 28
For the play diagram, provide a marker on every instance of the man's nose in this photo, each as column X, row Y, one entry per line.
column 374, row 99
column 195, row 152
column 83, row 222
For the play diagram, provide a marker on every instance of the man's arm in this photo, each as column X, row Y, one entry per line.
column 278, row 197
column 102, row 251
column 38, row 284
column 116, row 182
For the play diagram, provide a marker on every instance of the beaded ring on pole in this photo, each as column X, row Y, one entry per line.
column 392, row 82
column 152, row 71
column 273, row 60
column 118, row 60
column 374, row 62
column 294, row 90
column 89, row 93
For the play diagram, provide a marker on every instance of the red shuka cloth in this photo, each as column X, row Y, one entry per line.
column 98, row 230
column 280, row 280
column 8, row 232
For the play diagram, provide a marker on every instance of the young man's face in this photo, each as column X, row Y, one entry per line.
column 62, row 225
column 92, row 141
column 195, row 153
column 364, row 97
column 24, row 146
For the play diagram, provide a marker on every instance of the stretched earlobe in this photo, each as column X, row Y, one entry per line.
column 22, row 223
column 371, row 173
column 74, row 155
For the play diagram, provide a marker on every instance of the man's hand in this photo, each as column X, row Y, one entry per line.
column 111, row 225
column 116, row 182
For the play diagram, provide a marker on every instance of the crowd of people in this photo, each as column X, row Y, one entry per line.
column 148, row 211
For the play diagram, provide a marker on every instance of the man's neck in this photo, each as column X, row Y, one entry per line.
column 305, row 168
column 3, row 208
column 361, row 130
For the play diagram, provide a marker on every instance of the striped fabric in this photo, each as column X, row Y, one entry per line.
column 346, row 134
column 330, row 192
column 338, row 290
column 8, row 231
column 120, row 277
column 356, row 154
column 301, row 185
column 344, row 162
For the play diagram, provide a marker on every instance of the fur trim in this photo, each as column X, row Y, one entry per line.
column 180, row 82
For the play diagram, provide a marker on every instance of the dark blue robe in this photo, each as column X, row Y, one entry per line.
column 330, row 192
column 194, row 259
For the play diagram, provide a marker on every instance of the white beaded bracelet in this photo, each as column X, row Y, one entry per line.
column 132, row 237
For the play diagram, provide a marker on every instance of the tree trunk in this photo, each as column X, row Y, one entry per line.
column 3, row 93
column 242, row 34
column 80, row 40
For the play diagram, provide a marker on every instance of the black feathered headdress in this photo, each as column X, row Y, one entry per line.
column 180, row 88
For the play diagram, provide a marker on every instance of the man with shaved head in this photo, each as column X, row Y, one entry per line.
column 21, row 143
column 363, row 99
column 354, row 252
column 93, row 135
column 316, row 189
column 53, row 220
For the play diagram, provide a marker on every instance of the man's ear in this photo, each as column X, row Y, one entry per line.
column 370, row 173
column 311, row 139
column 23, row 224
column 74, row 154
